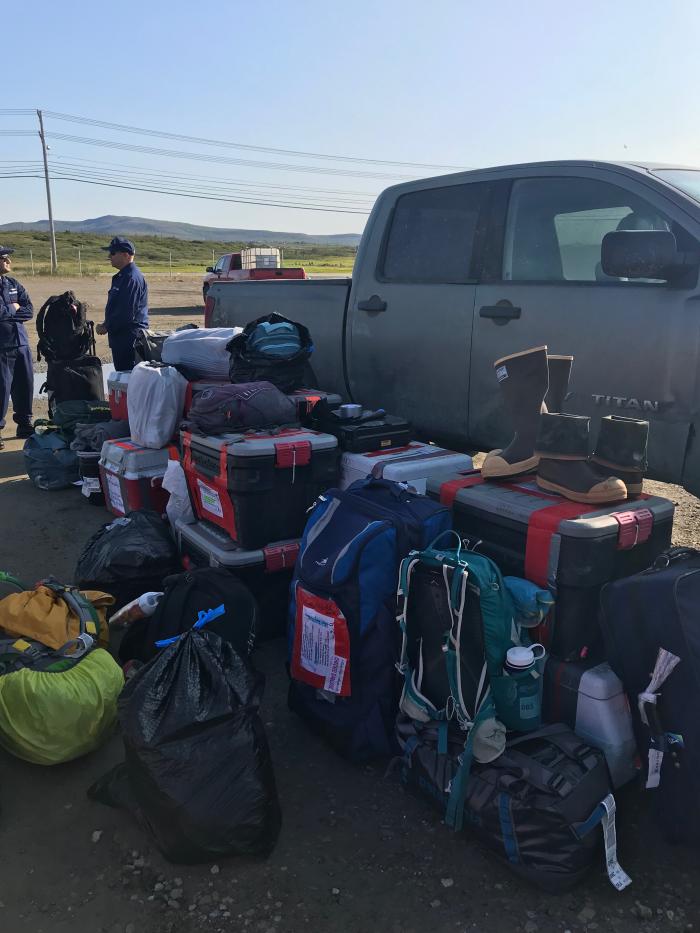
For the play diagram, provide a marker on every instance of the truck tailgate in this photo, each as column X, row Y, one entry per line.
column 319, row 304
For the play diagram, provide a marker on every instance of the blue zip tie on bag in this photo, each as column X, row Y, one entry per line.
column 204, row 616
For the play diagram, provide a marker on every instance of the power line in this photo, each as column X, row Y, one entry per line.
column 72, row 160
column 199, row 197
column 224, row 160
column 203, row 141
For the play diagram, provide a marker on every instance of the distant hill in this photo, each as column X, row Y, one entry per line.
column 143, row 226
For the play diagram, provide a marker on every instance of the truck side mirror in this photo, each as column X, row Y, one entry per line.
column 640, row 254
column 210, row 268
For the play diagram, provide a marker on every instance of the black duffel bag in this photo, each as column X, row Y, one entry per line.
column 272, row 349
column 74, row 380
column 537, row 805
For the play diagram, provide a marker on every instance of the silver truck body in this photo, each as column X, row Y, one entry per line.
column 456, row 271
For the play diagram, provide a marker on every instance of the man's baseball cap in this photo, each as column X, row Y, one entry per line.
column 5, row 250
column 119, row 245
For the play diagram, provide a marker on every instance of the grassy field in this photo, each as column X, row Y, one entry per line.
column 154, row 254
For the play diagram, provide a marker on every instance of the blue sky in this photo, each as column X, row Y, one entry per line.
column 462, row 84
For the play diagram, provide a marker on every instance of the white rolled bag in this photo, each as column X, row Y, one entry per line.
column 202, row 350
column 155, row 402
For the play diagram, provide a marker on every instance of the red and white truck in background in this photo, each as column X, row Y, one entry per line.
column 256, row 262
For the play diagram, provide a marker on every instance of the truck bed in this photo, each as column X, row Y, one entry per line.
column 319, row 304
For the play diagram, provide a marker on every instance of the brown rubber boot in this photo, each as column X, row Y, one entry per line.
column 523, row 379
column 622, row 449
column 559, row 368
column 564, row 467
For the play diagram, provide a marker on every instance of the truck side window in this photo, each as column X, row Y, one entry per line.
column 220, row 263
column 433, row 233
column 555, row 228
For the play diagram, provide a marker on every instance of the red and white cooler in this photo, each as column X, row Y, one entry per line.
column 258, row 486
column 413, row 464
column 132, row 476
column 117, row 386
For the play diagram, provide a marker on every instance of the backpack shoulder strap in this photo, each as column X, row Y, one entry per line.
column 40, row 326
column 88, row 620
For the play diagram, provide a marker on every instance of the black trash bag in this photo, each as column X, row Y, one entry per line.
column 288, row 374
column 127, row 557
column 185, row 596
column 198, row 771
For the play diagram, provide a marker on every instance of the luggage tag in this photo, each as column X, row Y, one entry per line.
column 617, row 875
column 648, row 703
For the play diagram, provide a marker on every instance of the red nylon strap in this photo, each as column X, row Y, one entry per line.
column 449, row 490
column 543, row 524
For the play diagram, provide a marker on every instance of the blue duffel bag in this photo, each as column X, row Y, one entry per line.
column 343, row 636
column 49, row 461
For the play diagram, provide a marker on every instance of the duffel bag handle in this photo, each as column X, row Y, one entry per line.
column 672, row 554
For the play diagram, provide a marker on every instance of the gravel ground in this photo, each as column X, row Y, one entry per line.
column 356, row 853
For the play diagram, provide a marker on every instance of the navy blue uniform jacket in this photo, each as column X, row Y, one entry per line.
column 12, row 332
column 127, row 302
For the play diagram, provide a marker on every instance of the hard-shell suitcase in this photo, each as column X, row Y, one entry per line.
column 411, row 464
column 590, row 698
column 266, row 571
column 572, row 549
column 652, row 612
column 132, row 476
column 258, row 486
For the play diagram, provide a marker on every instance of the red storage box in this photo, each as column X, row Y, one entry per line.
column 132, row 476
column 258, row 486
column 117, row 386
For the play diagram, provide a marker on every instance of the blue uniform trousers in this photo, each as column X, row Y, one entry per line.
column 122, row 346
column 16, row 382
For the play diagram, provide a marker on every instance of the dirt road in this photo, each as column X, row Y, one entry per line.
column 355, row 854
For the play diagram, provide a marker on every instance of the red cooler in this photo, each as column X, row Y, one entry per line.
column 132, row 476
column 117, row 386
column 258, row 486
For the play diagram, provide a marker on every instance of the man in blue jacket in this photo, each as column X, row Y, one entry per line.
column 126, row 311
column 16, row 369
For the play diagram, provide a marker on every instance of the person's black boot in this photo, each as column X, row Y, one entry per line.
column 559, row 374
column 622, row 449
column 564, row 467
column 523, row 379
column 25, row 430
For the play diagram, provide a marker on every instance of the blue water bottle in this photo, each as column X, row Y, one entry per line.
column 523, row 667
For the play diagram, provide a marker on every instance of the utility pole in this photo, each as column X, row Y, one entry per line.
column 54, row 257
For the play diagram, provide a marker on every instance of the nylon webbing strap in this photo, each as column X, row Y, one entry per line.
column 541, row 528
column 449, row 490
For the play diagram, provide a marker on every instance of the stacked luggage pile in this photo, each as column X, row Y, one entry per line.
column 492, row 632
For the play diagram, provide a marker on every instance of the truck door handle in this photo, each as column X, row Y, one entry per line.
column 500, row 313
column 374, row 303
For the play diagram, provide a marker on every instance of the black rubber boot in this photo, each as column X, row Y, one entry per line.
column 562, row 446
column 523, row 378
column 559, row 374
column 622, row 449
column 25, row 430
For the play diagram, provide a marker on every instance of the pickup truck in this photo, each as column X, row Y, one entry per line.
column 248, row 265
column 598, row 259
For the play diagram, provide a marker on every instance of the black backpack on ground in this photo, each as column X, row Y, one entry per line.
column 63, row 329
column 186, row 597
column 651, row 625
column 256, row 357
column 78, row 379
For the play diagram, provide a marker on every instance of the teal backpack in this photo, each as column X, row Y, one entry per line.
column 458, row 619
